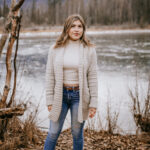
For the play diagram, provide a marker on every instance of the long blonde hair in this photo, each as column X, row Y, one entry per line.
column 64, row 37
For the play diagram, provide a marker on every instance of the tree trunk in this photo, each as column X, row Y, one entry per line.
column 13, row 25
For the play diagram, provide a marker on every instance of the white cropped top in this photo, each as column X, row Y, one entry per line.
column 71, row 63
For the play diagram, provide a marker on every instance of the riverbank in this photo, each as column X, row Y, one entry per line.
column 50, row 31
column 56, row 28
column 91, row 28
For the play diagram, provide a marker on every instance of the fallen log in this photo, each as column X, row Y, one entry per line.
column 10, row 112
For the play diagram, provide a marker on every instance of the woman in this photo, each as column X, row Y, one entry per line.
column 71, row 82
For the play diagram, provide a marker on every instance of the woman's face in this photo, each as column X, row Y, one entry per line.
column 76, row 30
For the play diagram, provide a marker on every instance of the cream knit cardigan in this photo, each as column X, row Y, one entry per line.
column 88, row 81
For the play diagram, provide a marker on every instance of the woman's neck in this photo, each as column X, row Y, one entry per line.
column 73, row 41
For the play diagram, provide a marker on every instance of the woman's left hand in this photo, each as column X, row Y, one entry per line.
column 92, row 112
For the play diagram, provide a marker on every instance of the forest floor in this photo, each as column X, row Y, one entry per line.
column 94, row 141
column 26, row 135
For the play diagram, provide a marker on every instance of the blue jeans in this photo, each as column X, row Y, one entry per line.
column 70, row 101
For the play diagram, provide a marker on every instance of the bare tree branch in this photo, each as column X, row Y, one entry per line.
column 7, row 28
column 14, row 22
column 15, row 69
column 18, row 5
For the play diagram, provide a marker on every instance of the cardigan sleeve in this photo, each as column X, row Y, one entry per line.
column 49, row 79
column 93, row 79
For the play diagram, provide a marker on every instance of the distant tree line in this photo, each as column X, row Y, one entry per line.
column 95, row 12
column 4, row 9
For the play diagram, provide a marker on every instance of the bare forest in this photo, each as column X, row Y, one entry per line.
column 95, row 12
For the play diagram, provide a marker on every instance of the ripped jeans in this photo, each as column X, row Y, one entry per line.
column 70, row 101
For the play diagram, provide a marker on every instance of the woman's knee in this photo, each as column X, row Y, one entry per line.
column 77, row 131
column 54, row 131
column 52, row 135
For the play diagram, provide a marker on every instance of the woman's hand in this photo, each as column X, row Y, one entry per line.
column 92, row 112
column 49, row 107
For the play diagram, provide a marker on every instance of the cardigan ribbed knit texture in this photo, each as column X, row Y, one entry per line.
column 88, row 81
column 71, row 62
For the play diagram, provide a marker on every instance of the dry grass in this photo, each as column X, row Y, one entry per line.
column 141, row 107
column 22, row 133
column 141, row 112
